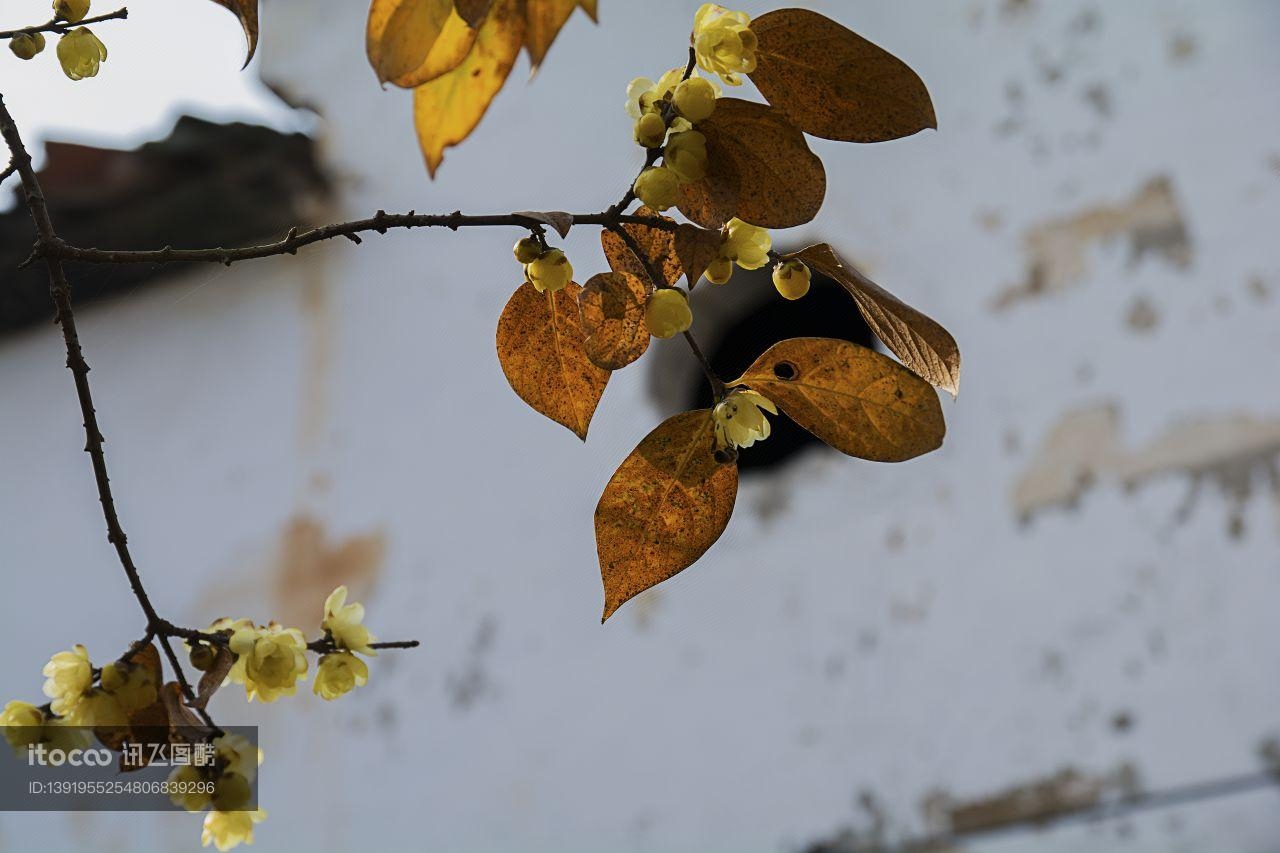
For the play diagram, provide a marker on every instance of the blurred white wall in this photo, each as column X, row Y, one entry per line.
column 1094, row 221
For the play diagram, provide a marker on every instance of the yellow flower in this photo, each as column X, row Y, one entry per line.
column 69, row 675
column 269, row 661
column 22, row 723
column 658, row 187
column 667, row 313
column 695, row 98
column 643, row 94
column 791, row 278
column 133, row 686
column 739, row 421
column 650, row 130
column 80, row 53
column 185, row 792
column 226, row 830
column 686, row 155
column 549, row 273
column 26, row 45
column 97, row 708
column 723, row 43
column 70, row 10
column 237, row 754
column 746, row 245
column 60, row 734
column 339, row 673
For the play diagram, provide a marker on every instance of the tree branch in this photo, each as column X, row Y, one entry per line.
column 64, row 27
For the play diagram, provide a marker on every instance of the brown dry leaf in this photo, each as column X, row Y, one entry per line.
column 856, row 400
column 147, row 657
column 401, row 34
column 656, row 244
column 543, row 22
column 213, row 677
column 589, row 6
column 247, row 12
column 922, row 344
column 664, row 507
column 833, row 83
column 448, row 108
column 612, row 306
column 696, row 248
column 557, row 219
column 472, row 11
column 760, row 169
column 540, row 346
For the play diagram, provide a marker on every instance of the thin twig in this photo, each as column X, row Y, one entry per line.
column 64, row 27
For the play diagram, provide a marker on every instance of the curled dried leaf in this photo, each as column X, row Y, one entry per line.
column 922, row 344
column 612, row 306
column 213, row 677
column 663, row 508
column 833, row 83
column 540, row 347
column 472, row 11
column 856, row 400
column 247, row 12
column 759, row 168
column 557, row 219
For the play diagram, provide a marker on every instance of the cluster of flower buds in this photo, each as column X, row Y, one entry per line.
column 80, row 52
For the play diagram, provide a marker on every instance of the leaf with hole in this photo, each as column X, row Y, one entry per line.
column 540, row 347
column 447, row 109
column 856, row 400
column 759, row 168
column 833, row 83
column 247, row 12
column 657, row 245
column 696, row 248
column 663, row 508
column 612, row 306
column 922, row 344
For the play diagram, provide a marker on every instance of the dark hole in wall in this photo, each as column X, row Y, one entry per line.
column 759, row 318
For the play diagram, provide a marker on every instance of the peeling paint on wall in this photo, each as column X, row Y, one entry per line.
column 1229, row 451
column 1058, row 250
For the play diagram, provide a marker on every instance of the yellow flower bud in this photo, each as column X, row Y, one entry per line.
column 22, row 723
column 719, row 271
column 80, row 53
column 746, row 244
column 658, row 187
column 339, row 673
column 70, row 10
column 226, row 830
column 723, row 44
column 185, row 788
column 650, row 130
column 686, row 155
column 791, row 278
column 26, row 45
column 231, row 792
column 695, row 98
column 202, row 657
column 527, row 250
column 667, row 313
column 549, row 273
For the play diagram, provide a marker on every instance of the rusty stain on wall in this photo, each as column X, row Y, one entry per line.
column 1058, row 250
column 308, row 565
column 1085, row 447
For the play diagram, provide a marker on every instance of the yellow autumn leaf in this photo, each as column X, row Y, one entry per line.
column 543, row 21
column 448, row 108
column 856, row 400
column 400, row 34
column 247, row 12
column 663, row 508
column 540, row 348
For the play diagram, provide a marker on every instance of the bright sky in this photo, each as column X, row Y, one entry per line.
column 170, row 57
